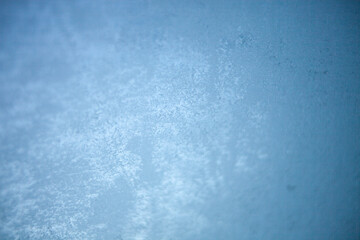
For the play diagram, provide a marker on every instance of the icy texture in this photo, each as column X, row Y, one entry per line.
column 166, row 120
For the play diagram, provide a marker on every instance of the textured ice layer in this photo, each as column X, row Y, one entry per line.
column 165, row 120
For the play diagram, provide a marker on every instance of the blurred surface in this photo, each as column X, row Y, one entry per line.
column 179, row 120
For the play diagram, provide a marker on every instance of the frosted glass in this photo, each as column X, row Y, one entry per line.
column 180, row 120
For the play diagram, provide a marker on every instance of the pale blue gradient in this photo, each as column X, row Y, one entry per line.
column 180, row 120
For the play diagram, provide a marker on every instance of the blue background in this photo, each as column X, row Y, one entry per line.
column 167, row 120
